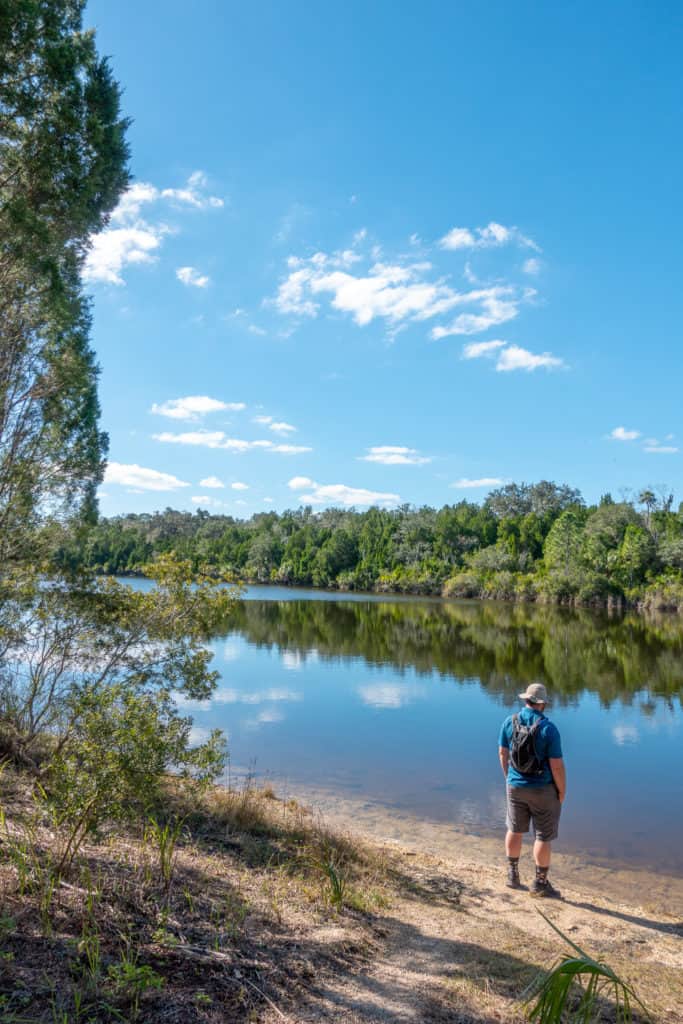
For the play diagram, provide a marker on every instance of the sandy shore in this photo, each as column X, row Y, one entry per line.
column 653, row 891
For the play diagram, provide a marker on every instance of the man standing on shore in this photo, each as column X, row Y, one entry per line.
column 530, row 754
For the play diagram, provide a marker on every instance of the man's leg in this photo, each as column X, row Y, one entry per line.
column 517, row 824
column 546, row 818
column 513, row 848
column 513, row 844
column 542, row 854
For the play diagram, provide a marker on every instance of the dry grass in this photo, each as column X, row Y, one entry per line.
column 233, row 930
column 239, row 922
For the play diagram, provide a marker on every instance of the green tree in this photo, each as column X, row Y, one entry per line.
column 635, row 556
column 563, row 545
column 67, row 649
column 63, row 160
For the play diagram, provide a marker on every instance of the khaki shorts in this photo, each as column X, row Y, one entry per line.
column 539, row 804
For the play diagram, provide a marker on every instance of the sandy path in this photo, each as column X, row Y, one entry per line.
column 460, row 947
column 463, row 957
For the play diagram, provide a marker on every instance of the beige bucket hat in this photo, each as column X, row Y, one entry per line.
column 536, row 693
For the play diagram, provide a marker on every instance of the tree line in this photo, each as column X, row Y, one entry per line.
column 524, row 542
column 88, row 668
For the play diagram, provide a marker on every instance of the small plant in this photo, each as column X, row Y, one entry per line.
column 332, row 872
column 574, row 989
column 130, row 980
column 165, row 839
column 90, row 952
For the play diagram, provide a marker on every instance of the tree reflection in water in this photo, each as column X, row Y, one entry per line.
column 619, row 657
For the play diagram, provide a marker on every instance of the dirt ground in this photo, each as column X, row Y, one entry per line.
column 461, row 947
column 246, row 930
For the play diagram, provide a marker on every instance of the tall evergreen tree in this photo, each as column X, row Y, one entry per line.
column 63, row 165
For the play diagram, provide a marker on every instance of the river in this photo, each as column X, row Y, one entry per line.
column 399, row 702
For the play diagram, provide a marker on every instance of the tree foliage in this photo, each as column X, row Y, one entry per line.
column 553, row 547
column 63, row 165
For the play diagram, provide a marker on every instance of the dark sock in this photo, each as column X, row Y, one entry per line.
column 541, row 875
column 513, row 861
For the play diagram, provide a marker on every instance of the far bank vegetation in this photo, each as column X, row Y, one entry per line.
column 528, row 542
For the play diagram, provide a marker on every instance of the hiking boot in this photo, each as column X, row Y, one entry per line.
column 545, row 889
column 513, row 881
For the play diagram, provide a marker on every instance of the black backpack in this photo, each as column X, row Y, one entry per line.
column 523, row 748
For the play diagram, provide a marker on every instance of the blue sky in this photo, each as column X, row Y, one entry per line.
column 387, row 252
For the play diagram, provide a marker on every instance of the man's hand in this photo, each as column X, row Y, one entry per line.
column 559, row 776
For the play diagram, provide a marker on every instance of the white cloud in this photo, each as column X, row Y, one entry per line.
column 131, row 239
column 194, row 193
column 133, row 199
column 651, row 445
column 458, row 238
column 272, row 424
column 203, row 438
column 395, row 455
column 206, row 500
column 390, row 695
column 297, row 482
column 291, row 295
column 198, row 734
column 259, row 331
column 485, row 481
column 191, row 277
column 218, row 439
column 395, row 292
column 477, row 349
column 622, row 434
column 511, row 357
column 239, row 486
column 515, row 358
column 532, row 266
column 289, row 449
column 141, row 478
column 211, row 481
column 193, row 407
column 341, row 494
column 484, row 238
column 268, row 501
column 114, row 248
column 405, row 289
column 498, row 304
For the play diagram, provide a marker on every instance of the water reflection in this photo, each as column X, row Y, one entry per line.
column 399, row 702
column 619, row 658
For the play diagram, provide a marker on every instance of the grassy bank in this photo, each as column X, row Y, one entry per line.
column 206, row 912
column 245, row 907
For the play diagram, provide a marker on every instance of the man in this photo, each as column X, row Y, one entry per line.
column 530, row 754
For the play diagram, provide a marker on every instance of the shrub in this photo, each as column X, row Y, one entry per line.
column 463, row 584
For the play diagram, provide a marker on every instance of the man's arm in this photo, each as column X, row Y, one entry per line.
column 504, row 756
column 559, row 776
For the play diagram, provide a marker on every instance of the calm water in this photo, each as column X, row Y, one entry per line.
column 400, row 701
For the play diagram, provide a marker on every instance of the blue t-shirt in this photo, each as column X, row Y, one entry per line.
column 547, row 745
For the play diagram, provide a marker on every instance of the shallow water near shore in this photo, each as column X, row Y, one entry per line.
column 398, row 703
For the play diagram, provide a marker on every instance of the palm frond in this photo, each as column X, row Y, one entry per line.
column 576, row 988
